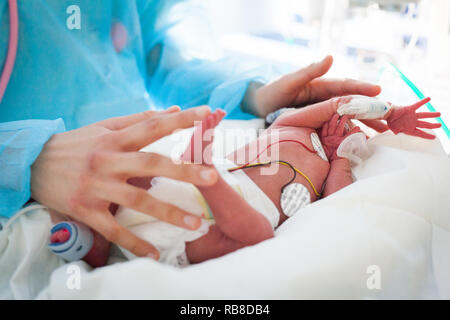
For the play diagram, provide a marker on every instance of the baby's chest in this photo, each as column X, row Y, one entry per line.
column 301, row 159
column 301, row 145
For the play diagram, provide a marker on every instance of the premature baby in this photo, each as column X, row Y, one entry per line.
column 251, row 198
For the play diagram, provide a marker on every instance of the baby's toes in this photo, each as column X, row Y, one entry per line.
column 220, row 114
column 216, row 117
column 210, row 121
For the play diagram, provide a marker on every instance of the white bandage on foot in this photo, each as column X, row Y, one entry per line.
column 363, row 107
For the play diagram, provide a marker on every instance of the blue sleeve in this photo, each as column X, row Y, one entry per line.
column 184, row 66
column 20, row 144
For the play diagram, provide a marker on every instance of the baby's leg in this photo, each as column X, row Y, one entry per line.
column 199, row 150
column 99, row 253
column 212, row 245
column 237, row 223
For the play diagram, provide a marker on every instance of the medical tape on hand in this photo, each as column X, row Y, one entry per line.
column 365, row 108
column 77, row 246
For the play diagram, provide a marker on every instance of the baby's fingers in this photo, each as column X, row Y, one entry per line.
column 424, row 115
column 353, row 131
column 332, row 125
column 427, row 125
column 421, row 134
column 324, row 130
column 341, row 126
column 417, row 105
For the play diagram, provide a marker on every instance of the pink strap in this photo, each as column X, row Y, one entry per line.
column 12, row 47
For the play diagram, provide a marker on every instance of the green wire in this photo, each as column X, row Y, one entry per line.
column 420, row 95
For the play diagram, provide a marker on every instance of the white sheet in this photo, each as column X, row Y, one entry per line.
column 396, row 217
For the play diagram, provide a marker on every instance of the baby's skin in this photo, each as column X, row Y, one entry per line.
column 237, row 224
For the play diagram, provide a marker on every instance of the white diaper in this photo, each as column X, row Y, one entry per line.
column 170, row 240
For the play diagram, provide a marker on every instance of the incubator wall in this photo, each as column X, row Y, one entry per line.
column 363, row 36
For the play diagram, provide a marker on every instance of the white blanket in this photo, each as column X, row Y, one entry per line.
column 385, row 236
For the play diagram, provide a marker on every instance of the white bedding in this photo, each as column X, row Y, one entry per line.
column 396, row 217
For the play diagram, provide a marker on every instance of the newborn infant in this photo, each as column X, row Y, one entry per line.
column 255, row 196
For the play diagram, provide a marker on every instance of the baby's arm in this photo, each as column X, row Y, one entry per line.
column 339, row 176
column 366, row 109
column 399, row 119
column 332, row 134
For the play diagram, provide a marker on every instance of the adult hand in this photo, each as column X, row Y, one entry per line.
column 304, row 87
column 81, row 172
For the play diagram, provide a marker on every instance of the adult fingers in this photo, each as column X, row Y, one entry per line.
column 107, row 226
column 312, row 116
column 140, row 200
column 427, row 125
column 423, row 134
column 425, row 115
column 145, row 132
column 301, row 77
column 119, row 123
column 140, row 164
column 324, row 89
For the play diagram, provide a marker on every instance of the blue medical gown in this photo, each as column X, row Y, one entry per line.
column 68, row 78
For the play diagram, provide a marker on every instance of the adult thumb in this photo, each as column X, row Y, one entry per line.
column 314, row 70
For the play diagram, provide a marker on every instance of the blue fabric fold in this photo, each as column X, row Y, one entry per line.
column 126, row 57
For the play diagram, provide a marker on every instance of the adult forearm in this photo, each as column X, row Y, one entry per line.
column 20, row 144
column 250, row 103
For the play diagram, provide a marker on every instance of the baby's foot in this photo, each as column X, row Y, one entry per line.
column 199, row 150
column 99, row 254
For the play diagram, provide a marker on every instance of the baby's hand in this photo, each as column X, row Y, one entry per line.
column 333, row 133
column 406, row 120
